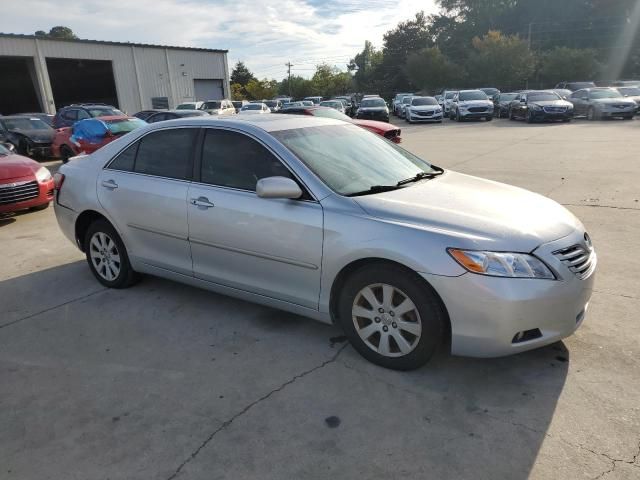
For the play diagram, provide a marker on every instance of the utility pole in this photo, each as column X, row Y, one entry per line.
column 289, row 65
column 529, row 47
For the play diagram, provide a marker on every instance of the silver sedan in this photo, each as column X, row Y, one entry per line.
column 322, row 218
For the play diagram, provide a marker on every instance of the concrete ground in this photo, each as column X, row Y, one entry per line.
column 165, row 381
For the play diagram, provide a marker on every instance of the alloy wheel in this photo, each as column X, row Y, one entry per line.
column 105, row 256
column 386, row 320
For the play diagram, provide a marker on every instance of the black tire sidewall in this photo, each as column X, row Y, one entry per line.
column 426, row 300
column 127, row 275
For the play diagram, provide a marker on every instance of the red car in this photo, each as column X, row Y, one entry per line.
column 24, row 183
column 87, row 136
column 387, row 130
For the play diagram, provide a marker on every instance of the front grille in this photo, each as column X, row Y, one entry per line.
column 555, row 109
column 425, row 114
column 392, row 133
column 477, row 109
column 579, row 259
column 18, row 192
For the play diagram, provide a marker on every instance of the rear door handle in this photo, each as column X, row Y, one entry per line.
column 110, row 184
column 201, row 202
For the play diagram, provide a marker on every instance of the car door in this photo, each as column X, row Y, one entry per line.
column 580, row 102
column 144, row 191
column 271, row 247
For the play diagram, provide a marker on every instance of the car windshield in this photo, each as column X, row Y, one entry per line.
column 407, row 100
column 630, row 91
column 350, row 159
column 329, row 113
column 607, row 93
column 24, row 124
column 542, row 96
column 416, row 102
column 120, row 127
column 186, row 106
column 373, row 102
column 507, row 97
column 211, row 105
column 104, row 112
column 449, row 95
column 253, row 106
column 490, row 91
column 472, row 95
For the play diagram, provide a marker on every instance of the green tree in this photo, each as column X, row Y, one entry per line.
column 241, row 74
column 261, row 89
column 500, row 60
column 365, row 67
column 58, row 32
column 329, row 81
column 300, row 87
column 430, row 70
column 237, row 92
column 407, row 37
column 562, row 63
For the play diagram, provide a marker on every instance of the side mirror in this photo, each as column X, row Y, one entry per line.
column 278, row 187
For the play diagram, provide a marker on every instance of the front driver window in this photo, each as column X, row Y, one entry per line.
column 231, row 159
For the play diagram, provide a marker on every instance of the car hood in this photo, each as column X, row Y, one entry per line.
column 613, row 101
column 16, row 166
column 475, row 103
column 425, row 108
column 474, row 212
column 373, row 124
column 39, row 136
column 553, row 103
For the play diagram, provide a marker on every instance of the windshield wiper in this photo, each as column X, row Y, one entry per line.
column 421, row 175
column 374, row 189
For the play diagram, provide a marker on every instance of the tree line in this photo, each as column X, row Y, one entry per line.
column 508, row 44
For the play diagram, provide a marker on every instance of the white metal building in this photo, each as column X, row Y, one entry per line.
column 42, row 74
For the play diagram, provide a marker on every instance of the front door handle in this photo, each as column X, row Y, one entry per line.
column 110, row 184
column 201, row 202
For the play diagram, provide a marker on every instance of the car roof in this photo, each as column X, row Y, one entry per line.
column 268, row 123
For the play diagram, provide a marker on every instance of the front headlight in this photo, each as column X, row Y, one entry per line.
column 43, row 174
column 502, row 264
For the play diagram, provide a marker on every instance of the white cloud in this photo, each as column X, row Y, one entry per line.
column 264, row 34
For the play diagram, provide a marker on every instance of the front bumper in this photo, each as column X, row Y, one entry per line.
column 617, row 113
column 373, row 116
column 24, row 193
column 486, row 312
column 436, row 117
column 544, row 115
column 468, row 114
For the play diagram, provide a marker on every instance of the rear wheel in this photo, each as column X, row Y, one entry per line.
column 107, row 256
column 391, row 317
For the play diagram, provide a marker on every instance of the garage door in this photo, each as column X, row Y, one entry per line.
column 208, row 89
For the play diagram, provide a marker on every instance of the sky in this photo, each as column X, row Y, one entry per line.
column 264, row 34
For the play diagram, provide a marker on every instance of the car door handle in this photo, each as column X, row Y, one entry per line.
column 111, row 184
column 201, row 202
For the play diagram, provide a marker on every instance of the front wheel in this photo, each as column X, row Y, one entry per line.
column 591, row 114
column 391, row 317
column 489, row 118
column 529, row 117
column 107, row 256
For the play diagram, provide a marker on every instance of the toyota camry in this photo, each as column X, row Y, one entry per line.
column 322, row 218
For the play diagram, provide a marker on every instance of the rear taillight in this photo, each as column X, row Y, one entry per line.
column 58, row 180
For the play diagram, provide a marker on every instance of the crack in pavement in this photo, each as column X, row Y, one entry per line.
column 609, row 458
column 225, row 424
column 13, row 322
column 595, row 205
column 617, row 294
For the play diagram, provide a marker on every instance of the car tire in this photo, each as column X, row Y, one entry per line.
column 566, row 120
column 528, row 117
column 389, row 286
column 591, row 114
column 511, row 117
column 628, row 117
column 66, row 153
column 458, row 117
column 107, row 256
column 489, row 118
column 498, row 112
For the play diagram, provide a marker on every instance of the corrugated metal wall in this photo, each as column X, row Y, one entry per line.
column 140, row 72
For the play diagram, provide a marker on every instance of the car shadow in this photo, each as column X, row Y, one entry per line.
column 182, row 360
